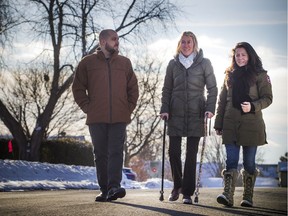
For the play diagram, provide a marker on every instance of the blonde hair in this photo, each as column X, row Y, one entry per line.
column 195, row 42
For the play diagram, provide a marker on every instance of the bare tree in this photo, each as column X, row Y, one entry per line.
column 143, row 133
column 214, row 154
column 26, row 92
column 65, row 23
column 7, row 20
column 10, row 17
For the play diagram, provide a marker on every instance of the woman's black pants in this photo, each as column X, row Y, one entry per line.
column 186, row 181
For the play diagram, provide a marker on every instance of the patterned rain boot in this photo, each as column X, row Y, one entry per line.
column 248, row 183
column 229, row 177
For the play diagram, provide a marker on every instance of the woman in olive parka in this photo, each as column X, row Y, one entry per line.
column 246, row 91
column 184, row 105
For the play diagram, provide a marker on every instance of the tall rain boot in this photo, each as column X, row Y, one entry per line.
column 230, row 178
column 248, row 183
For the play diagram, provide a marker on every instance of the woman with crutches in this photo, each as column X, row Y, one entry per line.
column 184, row 106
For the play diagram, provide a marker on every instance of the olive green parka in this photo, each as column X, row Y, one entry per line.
column 183, row 96
column 244, row 129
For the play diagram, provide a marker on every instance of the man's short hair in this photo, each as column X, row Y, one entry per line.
column 104, row 34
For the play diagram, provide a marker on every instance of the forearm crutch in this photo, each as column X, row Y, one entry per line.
column 201, row 159
column 163, row 163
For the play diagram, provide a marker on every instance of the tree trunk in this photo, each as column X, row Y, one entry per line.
column 35, row 146
column 21, row 143
column 15, row 129
column 126, row 160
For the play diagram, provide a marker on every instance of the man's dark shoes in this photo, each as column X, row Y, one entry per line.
column 174, row 194
column 115, row 193
column 102, row 197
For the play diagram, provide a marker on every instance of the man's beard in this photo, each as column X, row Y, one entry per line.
column 110, row 49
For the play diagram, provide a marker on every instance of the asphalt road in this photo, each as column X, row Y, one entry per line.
column 267, row 201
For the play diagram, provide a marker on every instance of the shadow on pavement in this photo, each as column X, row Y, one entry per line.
column 270, row 211
column 247, row 211
column 255, row 211
column 160, row 210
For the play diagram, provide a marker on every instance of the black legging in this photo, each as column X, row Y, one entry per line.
column 187, row 183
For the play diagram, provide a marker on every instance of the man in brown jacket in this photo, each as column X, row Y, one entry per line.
column 106, row 89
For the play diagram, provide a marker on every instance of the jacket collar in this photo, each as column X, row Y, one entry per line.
column 198, row 58
column 100, row 53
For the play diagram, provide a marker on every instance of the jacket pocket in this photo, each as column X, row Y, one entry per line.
column 177, row 107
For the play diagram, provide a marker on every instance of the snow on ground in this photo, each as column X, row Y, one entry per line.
column 16, row 175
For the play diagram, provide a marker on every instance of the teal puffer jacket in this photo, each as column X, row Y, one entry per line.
column 183, row 96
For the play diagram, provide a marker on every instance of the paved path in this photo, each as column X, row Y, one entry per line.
column 267, row 201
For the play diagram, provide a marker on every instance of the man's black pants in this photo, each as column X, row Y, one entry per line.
column 108, row 142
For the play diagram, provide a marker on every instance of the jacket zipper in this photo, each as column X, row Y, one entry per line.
column 186, row 104
column 110, row 90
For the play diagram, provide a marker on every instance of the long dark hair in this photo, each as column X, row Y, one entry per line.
column 254, row 64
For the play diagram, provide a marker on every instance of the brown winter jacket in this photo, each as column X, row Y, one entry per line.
column 106, row 90
column 183, row 96
column 244, row 129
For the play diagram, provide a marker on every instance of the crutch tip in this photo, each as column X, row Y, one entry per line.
column 196, row 200
column 161, row 197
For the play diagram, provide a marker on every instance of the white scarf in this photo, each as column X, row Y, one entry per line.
column 187, row 62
